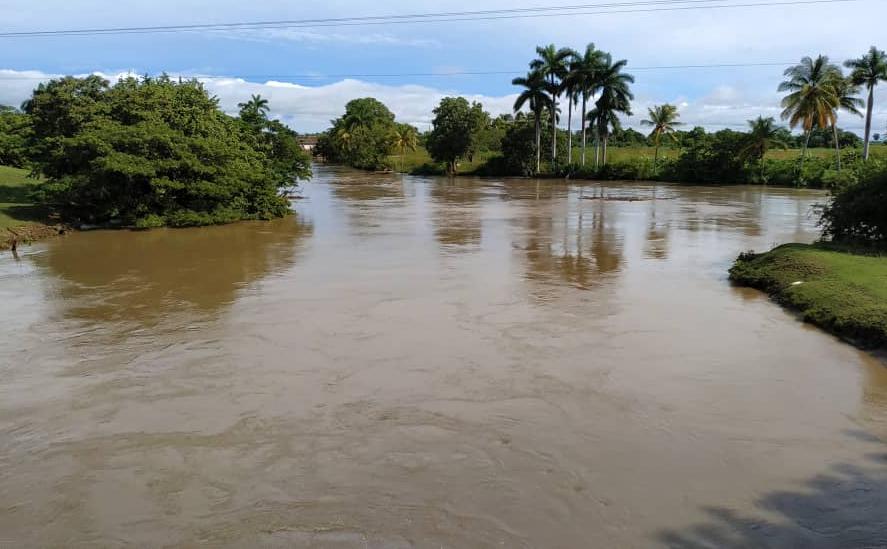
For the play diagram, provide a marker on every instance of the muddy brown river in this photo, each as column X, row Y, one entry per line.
column 421, row 362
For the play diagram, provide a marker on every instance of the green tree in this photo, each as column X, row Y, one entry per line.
column 812, row 100
column 405, row 138
column 663, row 120
column 553, row 65
column 362, row 136
column 150, row 152
column 763, row 135
column 614, row 99
column 869, row 70
column 255, row 111
column 585, row 74
column 15, row 134
column 454, row 130
column 534, row 96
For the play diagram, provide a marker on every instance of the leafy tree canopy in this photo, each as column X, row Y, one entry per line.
column 457, row 130
column 362, row 137
column 153, row 151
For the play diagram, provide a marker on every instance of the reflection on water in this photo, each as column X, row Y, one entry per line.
column 143, row 275
column 456, row 218
column 434, row 362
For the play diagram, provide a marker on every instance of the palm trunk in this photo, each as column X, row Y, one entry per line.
column 584, row 105
column 868, row 123
column 804, row 150
column 604, row 154
column 553, row 131
column 656, row 154
column 597, row 149
column 569, row 130
column 538, row 141
column 837, row 145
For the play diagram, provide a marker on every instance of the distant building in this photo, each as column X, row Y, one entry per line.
column 308, row 142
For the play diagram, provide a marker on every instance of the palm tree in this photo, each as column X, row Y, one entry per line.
column 813, row 99
column 605, row 116
column 585, row 71
column 846, row 92
column 869, row 70
column 763, row 134
column 257, row 106
column 571, row 87
column 344, row 136
column 663, row 119
column 552, row 64
column 534, row 96
column 615, row 98
column 404, row 138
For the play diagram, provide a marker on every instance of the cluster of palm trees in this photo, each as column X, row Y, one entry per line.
column 588, row 78
column 819, row 91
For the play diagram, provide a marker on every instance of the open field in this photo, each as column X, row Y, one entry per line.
column 17, row 212
column 842, row 292
column 413, row 159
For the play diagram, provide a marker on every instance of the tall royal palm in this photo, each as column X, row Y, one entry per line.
column 614, row 98
column 584, row 74
column 571, row 88
column 869, row 70
column 553, row 65
column 663, row 119
column 812, row 100
column 763, row 134
column 533, row 96
column 846, row 93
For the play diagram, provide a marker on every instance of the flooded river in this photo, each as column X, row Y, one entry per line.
column 421, row 362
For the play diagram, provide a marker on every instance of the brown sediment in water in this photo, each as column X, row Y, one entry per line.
column 626, row 198
column 428, row 362
column 30, row 233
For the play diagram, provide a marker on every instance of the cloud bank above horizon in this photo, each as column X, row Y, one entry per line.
column 419, row 59
column 309, row 109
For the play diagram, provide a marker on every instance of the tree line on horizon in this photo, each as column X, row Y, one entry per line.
column 152, row 151
column 595, row 87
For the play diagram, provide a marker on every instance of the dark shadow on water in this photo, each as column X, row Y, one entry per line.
column 845, row 506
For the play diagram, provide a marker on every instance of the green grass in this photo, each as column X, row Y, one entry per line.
column 413, row 159
column 16, row 209
column 842, row 292
column 17, row 213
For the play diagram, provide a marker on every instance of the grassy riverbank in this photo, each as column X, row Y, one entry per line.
column 843, row 293
column 420, row 162
column 17, row 212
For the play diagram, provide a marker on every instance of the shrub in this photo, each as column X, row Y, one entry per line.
column 858, row 212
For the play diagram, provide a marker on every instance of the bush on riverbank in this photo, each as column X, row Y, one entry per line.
column 150, row 152
column 858, row 210
column 841, row 292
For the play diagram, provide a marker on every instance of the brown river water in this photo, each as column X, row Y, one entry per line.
column 423, row 362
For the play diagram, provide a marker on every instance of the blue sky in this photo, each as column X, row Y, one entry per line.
column 264, row 61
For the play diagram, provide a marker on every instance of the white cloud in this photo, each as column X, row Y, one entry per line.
column 310, row 108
